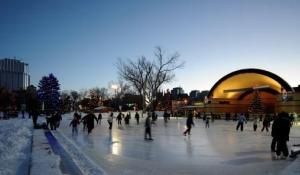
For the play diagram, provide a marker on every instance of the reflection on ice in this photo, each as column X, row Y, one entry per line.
column 116, row 148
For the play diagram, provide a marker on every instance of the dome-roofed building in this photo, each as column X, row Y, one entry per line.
column 245, row 89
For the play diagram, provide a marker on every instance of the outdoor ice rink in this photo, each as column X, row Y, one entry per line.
column 219, row 149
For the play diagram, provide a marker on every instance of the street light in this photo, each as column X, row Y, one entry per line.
column 115, row 88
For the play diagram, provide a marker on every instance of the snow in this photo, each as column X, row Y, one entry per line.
column 44, row 161
column 15, row 143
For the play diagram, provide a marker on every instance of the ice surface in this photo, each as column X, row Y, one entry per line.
column 219, row 149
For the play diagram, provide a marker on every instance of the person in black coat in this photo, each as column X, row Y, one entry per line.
column 127, row 118
column 35, row 114
column 166, row 116
column 266, row 123
column 148, row 127
column 74, row 123
column 119, row 119
column 280, row 133
column 189, row 123
column 89, row 119
column 99, row 118
column 137, row 117
column 58, row 118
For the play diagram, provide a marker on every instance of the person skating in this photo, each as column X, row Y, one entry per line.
column 166, row 116
column 189, row 123
column 74, row 123
column 137, row 117
column 110, row 120
column 57, row 118
column 154, row 117
column 280, row 134
column 127, row 118
column 119, row 119
column 212, row 117
column 255, row 122
column 76, row 116
column 99, row 118
column 52, row 121
column 83, row 121
column 266, row 124
column 207, row 122
column 241, row 121
column 148, row 128
column 89, row 119
column 35, row 114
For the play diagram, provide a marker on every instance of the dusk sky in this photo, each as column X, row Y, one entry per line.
column 80, row 41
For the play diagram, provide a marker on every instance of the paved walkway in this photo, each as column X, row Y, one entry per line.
column 215, row 150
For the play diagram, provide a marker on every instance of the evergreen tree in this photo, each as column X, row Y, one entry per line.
column 256, row 105
column 49, row 92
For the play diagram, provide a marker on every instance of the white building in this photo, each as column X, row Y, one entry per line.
column 14, row 74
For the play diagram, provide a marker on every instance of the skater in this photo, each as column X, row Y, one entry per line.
column 83, row 120
column 189, row 123
column 280, row 134
column 255, row 121
column 241, row 121
column 212, row 117
column 154, row 117
column 99, row 118
column 119, row 119
column 266, row 124
column 52, row 121
column 35, row 115
column 89, row 119
column 57, row 119
column 148, row 128
column 127, row 118
column 110, row 120
column 207, row 122
column 166, row 116
column 137, row 117
column 74, row 124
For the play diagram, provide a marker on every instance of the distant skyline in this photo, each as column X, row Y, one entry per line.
column 80, row 41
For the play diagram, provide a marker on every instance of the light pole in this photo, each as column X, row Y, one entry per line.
column 115, row 88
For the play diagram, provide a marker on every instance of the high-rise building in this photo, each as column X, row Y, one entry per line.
column 175, row 92
column 14, row 74
column 194, row 94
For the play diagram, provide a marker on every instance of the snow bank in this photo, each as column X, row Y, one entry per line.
column 15, row 144
column 44, row 161
column 86, row 165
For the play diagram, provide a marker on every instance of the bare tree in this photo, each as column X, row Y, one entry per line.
column 75, row 95
column 98, row 93
column 147, row 77
column 83, row 93
column 123, row 89
column 75, row 98
column 162, row 72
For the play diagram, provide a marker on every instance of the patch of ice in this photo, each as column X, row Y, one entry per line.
column 86, row 165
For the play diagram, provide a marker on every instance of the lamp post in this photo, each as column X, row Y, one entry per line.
column 115, row 88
